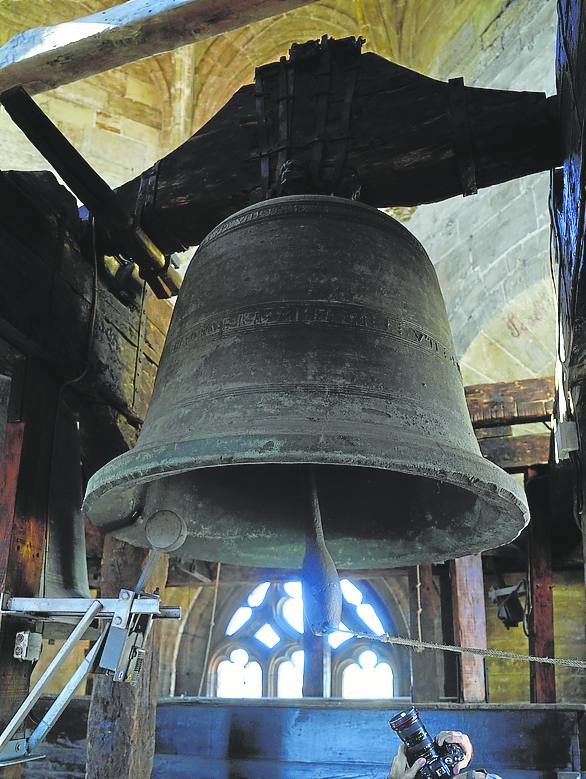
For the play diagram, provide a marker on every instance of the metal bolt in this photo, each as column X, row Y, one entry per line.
column 124, row 595
column 118, row 620
column 17, row 746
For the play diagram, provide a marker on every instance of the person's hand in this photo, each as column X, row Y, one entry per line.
column 400, row 768
column 455, row 737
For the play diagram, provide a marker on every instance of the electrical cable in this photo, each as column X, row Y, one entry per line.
column 93, row 313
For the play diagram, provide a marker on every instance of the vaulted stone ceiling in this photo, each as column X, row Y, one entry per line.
column 411, row 32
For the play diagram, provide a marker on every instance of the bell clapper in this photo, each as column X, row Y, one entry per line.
column 322, row 594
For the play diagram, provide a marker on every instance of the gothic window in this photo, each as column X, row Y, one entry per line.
column 261, row 652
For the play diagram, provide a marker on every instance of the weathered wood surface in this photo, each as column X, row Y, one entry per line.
column 46, row 305
column 14, row 676
column 510, row 402
column 199, row 739
column 424, row 608
column 515, row 453
column 121, row 720
column 242, row 574
column 47, row 57
column 24, row 486
column 541, row 616
column 469, row 624
column 402, row 145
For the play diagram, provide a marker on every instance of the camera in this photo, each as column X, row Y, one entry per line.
column 441, row 760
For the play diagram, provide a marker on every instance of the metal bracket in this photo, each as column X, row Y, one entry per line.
column 15, row 752
column 303, row 157
column 118, row 651
column 495, row 593
column 462, row 136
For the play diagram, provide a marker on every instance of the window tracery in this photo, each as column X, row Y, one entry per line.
column 261, row 652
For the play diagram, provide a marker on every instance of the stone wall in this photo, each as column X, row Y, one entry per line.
column 491, row 248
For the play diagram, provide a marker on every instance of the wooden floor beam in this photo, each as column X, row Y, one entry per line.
column 497, row 404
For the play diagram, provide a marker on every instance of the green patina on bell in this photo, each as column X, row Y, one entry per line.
column 309, row 330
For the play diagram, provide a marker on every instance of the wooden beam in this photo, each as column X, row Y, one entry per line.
column 47, row 57
column 541, row 617
column 199, row 573
column 121, row 721
column 338, row 739
column 402, row 143
column 47, row 306
column 470, row 624
column 13, row 675
column 515, row 453
column 510, row 402
column 424, row 608
column 24, row 487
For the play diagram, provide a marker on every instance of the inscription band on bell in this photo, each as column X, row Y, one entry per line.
column 310, row 313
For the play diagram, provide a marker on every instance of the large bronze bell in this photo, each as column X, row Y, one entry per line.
column 309, row 329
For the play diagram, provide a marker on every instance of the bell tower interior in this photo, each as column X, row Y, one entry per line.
column 291, row 407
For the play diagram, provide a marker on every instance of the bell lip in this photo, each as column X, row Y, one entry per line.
column 123, row 477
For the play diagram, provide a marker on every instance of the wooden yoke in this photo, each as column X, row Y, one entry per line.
column 409, row 139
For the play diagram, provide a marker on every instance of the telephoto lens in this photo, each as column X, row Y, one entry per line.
column 440, row 761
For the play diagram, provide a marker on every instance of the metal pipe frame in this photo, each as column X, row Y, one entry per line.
column 37, row 608
column 24, row 709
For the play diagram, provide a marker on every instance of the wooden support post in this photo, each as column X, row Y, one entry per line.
column 424, row 608
column 470, row 624
column 541, row 624
column 24, row 492
column 121, row 721
column 450, row 660
column 316, row 665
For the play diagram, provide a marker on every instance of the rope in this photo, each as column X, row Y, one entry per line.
column 419, row 606
column 495, row 653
